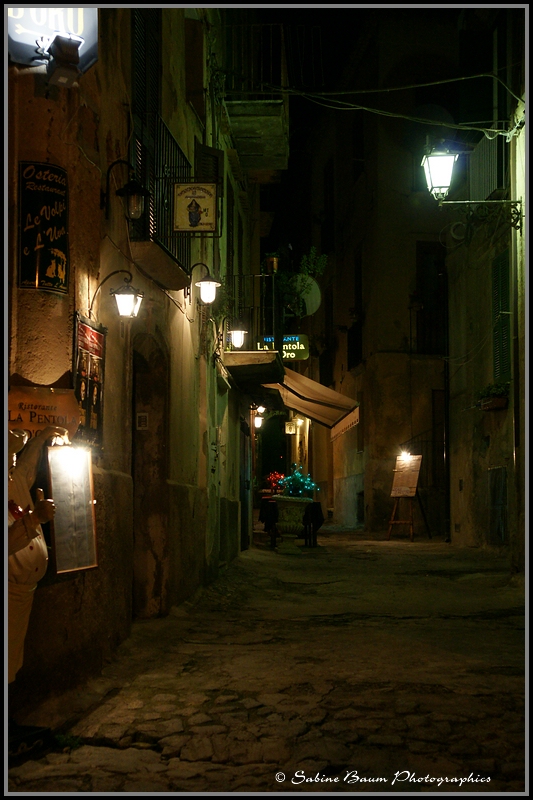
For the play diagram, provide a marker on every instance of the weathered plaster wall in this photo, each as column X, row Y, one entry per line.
column 479, row 440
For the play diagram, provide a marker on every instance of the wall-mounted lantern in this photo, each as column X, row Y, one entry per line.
column 438, row 166
column 208, row 286
column 128, row 298
column 237, row 333
column 133, row 192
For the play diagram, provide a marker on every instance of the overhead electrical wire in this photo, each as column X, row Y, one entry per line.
column 419, row 86
column 321, row 98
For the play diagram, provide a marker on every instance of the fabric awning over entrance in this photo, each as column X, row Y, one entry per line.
column 312, row 399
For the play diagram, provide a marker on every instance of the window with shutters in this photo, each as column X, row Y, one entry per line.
column 159, row 161
column 501, row 318
column 430, row 302
column 230, row 235
column 209, row 165
column 194, row 63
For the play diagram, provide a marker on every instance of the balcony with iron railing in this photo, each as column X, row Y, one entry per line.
column 255, row 75
column 159, row 164
column 253, row 301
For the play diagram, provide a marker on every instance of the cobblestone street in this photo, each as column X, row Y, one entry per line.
column 359, row 666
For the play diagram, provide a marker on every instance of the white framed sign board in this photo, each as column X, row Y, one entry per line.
column 406, row 474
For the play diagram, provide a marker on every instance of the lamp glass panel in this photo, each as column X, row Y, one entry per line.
column 128, row 304
column 258, row 421
column 439, row 168
column 237, row 338
column 208, row 290
column 135, row 206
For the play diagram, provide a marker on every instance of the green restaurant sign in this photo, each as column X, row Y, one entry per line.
column 295, row 347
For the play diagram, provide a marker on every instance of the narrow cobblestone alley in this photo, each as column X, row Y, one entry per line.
column 359, row 666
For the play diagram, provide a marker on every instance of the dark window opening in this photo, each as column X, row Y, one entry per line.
column 430, row 301
column 355, row 332
column 327, row 243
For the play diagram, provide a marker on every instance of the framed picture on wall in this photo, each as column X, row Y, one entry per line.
column 89, row 369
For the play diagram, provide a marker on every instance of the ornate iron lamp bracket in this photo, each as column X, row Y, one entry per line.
column 478, row 212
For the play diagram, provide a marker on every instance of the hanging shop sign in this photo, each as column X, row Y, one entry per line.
column 31, row 31
column 43, row 227
column 195, row 207
column 295, row 347
column 34, row 408
column 89, row 363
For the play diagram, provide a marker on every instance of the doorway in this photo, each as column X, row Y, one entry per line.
column 151, row 552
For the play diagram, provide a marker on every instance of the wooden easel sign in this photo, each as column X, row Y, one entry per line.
column 406, row 475
column 404, row 484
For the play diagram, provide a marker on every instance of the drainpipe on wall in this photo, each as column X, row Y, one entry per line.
column 447, row 515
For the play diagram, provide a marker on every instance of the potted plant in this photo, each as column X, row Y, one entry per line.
column 494, row 396
column 297, row 490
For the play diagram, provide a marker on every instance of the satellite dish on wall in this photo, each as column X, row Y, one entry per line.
column 310, row 295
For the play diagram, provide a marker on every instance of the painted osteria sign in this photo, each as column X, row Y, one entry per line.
column 30, row 31
column 295, row 347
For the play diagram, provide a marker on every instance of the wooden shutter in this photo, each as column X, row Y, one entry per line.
column 209, row 165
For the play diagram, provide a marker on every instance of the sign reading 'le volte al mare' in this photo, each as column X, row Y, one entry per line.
column 43, row 227
column 295, row 347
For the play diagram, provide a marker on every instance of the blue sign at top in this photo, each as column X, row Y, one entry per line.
column 30, row 32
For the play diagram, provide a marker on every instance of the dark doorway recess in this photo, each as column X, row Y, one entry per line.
column 151, row 549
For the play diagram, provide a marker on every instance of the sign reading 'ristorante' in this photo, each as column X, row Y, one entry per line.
column 295, row 346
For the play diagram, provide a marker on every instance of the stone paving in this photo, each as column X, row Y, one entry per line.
column 359, row 666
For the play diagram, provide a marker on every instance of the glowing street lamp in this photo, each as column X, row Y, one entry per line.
column 208, row 286
column 237, row 333
column 438, row 166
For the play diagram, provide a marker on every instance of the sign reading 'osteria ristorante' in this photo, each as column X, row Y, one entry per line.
column 43, row 227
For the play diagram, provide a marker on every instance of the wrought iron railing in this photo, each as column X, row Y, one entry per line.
column 160, row 163
column 253, row 301
column 255, row 66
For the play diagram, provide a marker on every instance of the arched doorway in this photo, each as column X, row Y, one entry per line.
column 149, row 467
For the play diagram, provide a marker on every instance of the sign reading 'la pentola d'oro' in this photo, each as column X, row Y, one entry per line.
column 295, row 347
column 43, row 227
column 34, row 408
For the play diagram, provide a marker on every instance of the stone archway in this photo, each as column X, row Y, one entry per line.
column 150, row 471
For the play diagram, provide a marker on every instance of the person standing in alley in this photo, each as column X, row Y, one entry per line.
column 27, row 550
